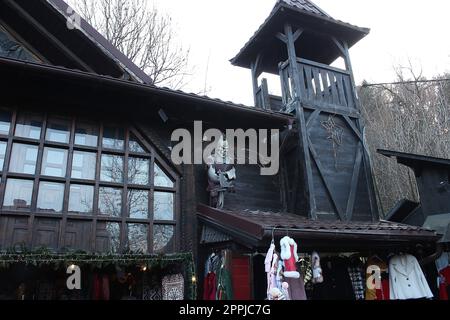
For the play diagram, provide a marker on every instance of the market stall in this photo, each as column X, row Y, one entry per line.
column 301, row 259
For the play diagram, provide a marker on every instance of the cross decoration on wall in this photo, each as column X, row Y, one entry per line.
column 335, row 134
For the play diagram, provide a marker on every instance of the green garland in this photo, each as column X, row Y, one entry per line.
column 64, row 260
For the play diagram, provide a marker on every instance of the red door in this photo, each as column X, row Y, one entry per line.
column 241, row 278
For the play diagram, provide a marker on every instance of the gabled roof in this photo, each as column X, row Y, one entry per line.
column 111, row 51
column 307, row 6
column 301, row 13
column 42, row 26
column 415, row 161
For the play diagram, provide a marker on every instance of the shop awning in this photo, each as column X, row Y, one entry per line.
column 255, row 228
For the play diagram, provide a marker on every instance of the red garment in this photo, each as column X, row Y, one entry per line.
column 105, row 288
column 101, row 287
column 210, row 287
column 289, row 264
column 444, row 283
column 383, row 293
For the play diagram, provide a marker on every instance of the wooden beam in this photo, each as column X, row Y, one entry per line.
column 255, row 74
column 49, row 36
column 354, row 184
column 339, row 45
column 297, row 34
column 367, row 163
column 321, row 170
column 353, row 127
column 282, row 37
column 304, row 153
column 312, row 117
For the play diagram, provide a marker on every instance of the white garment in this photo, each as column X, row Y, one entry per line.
column 407, row 280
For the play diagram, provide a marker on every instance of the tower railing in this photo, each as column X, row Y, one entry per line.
column 320, row 85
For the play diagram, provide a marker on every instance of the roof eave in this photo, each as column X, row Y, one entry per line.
column 238, row 59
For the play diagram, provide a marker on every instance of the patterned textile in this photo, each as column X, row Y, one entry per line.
column 153, row 294
column 173, row 287
column 357, row 278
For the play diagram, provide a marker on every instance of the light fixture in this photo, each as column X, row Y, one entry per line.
column 162, row 114
column 194, row 279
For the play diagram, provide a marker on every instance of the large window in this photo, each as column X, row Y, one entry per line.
column 77, row 180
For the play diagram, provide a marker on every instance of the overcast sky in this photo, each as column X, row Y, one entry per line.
column 400, row 29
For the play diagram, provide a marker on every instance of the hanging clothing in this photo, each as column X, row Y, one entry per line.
column 336, row 281
column 443, row 261
column 210, row 287
column 101, row 287
column 224, row 280
column 381, row 293
column 272, row 276
column 356, row 273
column 444, row 284
column 212, row 264
column 407, row 279
column 268, row 266
column 290, row 257
column 296, row 290
column 173, row 287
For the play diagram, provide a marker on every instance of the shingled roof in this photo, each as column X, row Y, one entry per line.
column 303, row 13
column 307, row 6
column 260, row 225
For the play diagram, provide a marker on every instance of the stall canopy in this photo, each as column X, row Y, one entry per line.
column 256, row 228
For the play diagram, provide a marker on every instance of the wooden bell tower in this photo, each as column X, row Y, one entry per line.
column 326, row 172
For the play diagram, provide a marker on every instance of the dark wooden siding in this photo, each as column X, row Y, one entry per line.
column 434, row 198
column 254, row 191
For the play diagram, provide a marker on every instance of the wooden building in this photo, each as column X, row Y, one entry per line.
column 433, row 183
column 85, row 150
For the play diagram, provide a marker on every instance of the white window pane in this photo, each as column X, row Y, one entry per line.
column 23, row 158
column 58, row 130
column 138, row 204
column 111, row 168
column 113, row 138
column 138, row 171
column 28, row 126
column 83, row 165
column 54, row 162
column 163, row 238
column 137, row 238
column 50, row 197
column 81, row 199
column 5, row 121
column 86, row 134
column 163, row 206
column 2, row 154
column 134, row 145
column 18, row 194
column 161, row 178
column 110, row 202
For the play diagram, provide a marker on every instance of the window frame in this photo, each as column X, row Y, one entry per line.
column 94, row 217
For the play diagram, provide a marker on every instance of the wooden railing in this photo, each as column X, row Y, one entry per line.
column 320, row 85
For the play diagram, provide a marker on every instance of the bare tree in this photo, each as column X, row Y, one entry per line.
column 412, row 116
column 143, row 34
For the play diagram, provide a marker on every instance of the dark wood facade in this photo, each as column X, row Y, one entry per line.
column 433, row 183
column 326, row 173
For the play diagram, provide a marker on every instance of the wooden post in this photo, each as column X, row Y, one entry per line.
column 254, row 70
column 265, row 95
column 304, row 155
column 367, row 163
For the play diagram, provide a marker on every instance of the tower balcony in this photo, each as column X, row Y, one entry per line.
column 319, row 86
